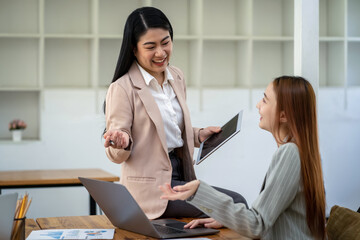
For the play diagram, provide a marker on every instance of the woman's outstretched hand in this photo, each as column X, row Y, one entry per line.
column 207, row 132
column 181, row 192
column 116, row 139
column 206, row 222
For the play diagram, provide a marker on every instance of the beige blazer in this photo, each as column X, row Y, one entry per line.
column 131, row 108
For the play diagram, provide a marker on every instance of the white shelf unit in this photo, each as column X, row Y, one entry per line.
column 20, row 70
column 22, row 104
column 52, row 44
column 339, row 44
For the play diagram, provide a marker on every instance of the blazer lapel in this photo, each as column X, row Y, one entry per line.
column 149, row 103
column 180, row 94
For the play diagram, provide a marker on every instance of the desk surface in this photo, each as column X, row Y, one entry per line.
column 30, row 225
column 52, row 177
column 101, row 221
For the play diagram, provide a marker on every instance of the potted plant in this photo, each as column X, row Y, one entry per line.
column 16, row 127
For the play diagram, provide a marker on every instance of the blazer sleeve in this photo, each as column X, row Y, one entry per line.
column 118, row 115
column 280, row 190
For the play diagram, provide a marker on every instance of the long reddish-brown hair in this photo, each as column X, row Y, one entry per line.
column 296, row 98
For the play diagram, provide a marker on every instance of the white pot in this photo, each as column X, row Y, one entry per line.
column 17, row 135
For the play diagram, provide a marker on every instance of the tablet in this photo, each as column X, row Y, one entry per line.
column 216, row 140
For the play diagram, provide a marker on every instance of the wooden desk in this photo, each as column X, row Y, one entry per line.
column 30, row 225
column 101, row 221
column 53, row 178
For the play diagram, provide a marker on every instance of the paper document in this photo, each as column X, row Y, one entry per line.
column 72, row 234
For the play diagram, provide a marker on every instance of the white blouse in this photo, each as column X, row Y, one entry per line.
column 169, row 107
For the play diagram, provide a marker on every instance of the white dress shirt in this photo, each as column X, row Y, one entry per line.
column 169, row 107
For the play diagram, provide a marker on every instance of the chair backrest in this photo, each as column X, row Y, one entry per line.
column 343, row 223
column 7, row 212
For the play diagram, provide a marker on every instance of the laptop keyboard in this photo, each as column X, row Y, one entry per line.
column 167, row 230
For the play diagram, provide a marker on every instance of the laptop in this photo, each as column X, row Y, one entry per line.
column 123, row 212
column 7, row 213
column 215, row 141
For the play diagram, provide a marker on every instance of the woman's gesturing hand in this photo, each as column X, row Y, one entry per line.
column 181, row 192
column 116, row 139
column 206, row 222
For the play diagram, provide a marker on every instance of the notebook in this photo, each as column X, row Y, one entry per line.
column 7, row 213
column 123, row 212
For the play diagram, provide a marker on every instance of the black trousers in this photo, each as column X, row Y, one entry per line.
column 178, row 208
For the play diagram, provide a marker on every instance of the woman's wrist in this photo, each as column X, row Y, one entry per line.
column 193, row 195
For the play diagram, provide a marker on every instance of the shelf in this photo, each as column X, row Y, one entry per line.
column 181, row 14
column 332, row 67
column 185, row 37
column 272, row 39
column 111, row 36
column 273, row 18
column 67, row 63
column 67, row 17
column 221, row 61
column 20, row 89
column 181, row 58
column 108, row 55
column 19, row 62
column 19, row 17
column 225, row 38
column 113, row 15
column 271, row 60
column 68, row 36
column 354, row 18
column 353, row 64
column 230, row 19
column 52, row 45
column 331, row 39
column 19, row 35
column 20, row 105
column 332, row 18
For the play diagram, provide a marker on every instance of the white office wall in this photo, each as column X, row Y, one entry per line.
column 72, row 124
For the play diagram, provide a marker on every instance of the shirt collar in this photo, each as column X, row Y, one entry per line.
column 148, row 77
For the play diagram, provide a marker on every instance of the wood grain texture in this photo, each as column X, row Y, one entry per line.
column 53, row 177
column 30, row 225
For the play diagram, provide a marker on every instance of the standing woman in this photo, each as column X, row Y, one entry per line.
column 148, row 127
column 291, row 204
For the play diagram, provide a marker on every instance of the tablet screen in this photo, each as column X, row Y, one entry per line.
column 216, row 140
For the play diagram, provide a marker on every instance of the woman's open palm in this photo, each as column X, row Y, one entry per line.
column 182, row 192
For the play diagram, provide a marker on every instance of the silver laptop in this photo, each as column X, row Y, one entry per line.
column 7, row 212
column 124, row 212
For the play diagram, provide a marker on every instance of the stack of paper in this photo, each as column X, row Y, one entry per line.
column 72, row 234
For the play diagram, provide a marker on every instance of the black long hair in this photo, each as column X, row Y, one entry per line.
column 137, row 24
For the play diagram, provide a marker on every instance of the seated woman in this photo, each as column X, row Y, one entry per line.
column 291, row 204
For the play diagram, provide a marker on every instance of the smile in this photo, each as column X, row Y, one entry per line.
column 160, row 61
